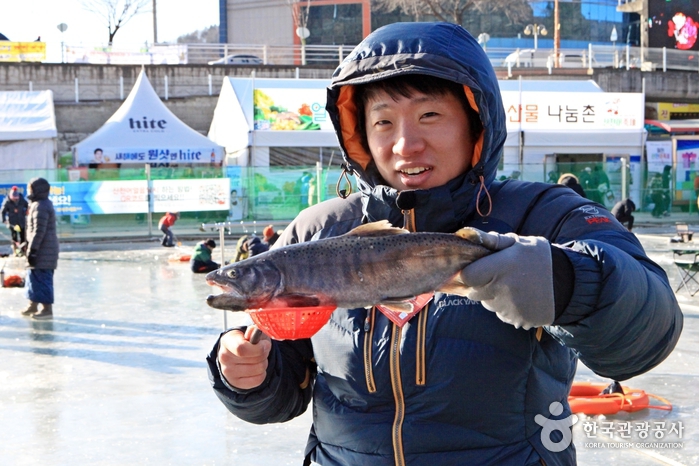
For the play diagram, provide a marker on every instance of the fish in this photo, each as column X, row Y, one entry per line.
column 373, row 264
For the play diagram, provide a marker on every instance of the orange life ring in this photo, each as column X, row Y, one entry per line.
column 585, row 398
column 12, row 281
column 179, row 257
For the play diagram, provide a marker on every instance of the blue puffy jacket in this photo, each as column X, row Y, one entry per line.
column 456, row 385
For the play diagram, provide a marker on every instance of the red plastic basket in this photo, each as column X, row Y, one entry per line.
column 291, row 323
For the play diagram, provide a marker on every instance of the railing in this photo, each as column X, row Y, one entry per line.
column 264, row 195
column 84, row 85
column 603, row 56
column 202, row 54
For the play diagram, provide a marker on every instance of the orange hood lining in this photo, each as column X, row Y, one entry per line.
column 347, row 110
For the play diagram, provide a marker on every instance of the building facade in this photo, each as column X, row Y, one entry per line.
column 343, row 22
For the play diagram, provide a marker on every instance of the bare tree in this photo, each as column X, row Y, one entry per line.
column 116, row 13
column 415, row 8
column 517, row 11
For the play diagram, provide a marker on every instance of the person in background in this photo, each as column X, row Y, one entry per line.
column 304, row 184
column 165, row 224
column 14, row 215
column 571, row 181
column 255, row 246
column 249, row 246
column 241, row 249
column 42, row 244
column 585, row 180
column 269, row 236
column 478, row 379
column 201, row 259
column 622, row 211
column 657, row 195
column 667, row 196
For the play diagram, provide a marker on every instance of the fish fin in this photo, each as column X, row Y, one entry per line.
column 408, row 304
column 454, row 286
column 380, row 228
column 471, row 234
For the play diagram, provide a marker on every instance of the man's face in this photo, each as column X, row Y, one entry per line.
column 419, row 142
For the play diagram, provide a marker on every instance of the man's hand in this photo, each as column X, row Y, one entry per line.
column 31, row 258
column 243, row 364
column 516, row 282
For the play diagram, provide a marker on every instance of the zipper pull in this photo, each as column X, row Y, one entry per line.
column 406, row 201
column 367, row 324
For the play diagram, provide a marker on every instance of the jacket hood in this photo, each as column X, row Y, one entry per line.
column 442, row 50
column 40, row 189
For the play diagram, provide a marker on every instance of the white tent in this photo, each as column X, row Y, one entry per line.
column 27, row 130
column 248, row 136
column 144, row 130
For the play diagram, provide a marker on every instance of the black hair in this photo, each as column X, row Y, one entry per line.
column 405, row 85
column 211, row 243
column 98, row 149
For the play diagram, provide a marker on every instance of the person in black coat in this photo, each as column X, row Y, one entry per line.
column 42, row 244
column 14, row 215
column 571, row 181
column 622, row 211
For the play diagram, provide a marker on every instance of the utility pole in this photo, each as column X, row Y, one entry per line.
column 155, row 25
column 556, row 36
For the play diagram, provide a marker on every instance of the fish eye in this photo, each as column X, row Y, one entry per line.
column 233, row 273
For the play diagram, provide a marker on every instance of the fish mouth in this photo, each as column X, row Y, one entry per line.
column 228, row 299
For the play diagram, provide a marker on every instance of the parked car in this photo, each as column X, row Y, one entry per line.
column 543, row 58
column 238, row 59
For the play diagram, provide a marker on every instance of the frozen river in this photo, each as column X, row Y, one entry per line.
column 119, row 377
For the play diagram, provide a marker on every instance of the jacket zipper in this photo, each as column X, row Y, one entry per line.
column 420, row 370
column 397, row 430
column 368, row 342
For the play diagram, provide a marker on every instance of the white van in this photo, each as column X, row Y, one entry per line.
column 238, row 60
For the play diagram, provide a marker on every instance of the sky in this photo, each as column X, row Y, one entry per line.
column 25, row 20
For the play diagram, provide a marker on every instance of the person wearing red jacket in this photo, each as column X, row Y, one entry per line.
column 167, row 221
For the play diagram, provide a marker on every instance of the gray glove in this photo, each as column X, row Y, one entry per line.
column 516, row 282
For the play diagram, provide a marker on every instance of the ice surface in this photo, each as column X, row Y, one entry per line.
column 119, row 377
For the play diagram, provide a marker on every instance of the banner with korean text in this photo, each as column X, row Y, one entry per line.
column 551, row 111
column 131, row 197
column 22, row 51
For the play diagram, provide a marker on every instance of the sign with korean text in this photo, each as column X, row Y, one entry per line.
column 22, row 51
column 551, row 111
column 131, row 197
column 156, row 155
column 658, row 155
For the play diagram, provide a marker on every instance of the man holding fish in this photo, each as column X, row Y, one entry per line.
column 452, row 333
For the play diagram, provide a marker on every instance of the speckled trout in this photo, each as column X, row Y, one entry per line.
column 375, row 263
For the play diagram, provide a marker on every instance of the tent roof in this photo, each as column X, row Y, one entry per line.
column 142, row 123
column 27, row 115
column 550, row 85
